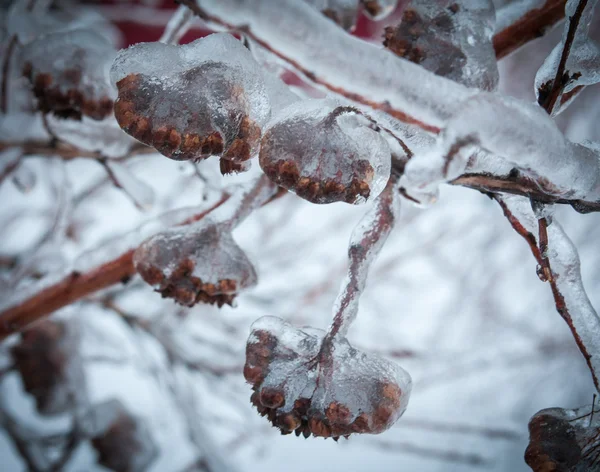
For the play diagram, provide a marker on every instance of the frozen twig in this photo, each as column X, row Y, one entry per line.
column 548, row 100
column 530, row 25
column 177, row 26
column 569, row 294
column 366, row 242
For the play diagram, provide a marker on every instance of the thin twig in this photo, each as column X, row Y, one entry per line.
column 547, row 101
column 529, row 27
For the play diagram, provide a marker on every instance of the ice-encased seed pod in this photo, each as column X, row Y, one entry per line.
column 325, row 153
column 193, row 101
column 196, row 263
column 77, row 84
column 125, row 443
column 451, row 39
column 564, row 439
column 42, row 358
column 302, row 390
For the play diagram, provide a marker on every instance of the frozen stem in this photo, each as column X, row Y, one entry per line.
column 366, row 242
column 178, row 25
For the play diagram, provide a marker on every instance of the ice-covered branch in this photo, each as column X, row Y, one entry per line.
column 529, row 140
column 521, row 21
column 51, row 296
column 366, row 242
column 573, row 64
column 569, row 294
column 343, row 64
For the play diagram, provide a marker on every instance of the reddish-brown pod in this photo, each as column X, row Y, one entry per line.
column 564, row 440
column 449, row 38
column 325, row 152
column 42, row 358
column 76, row 85
column 124, row 443
column 193, row 101
column 302, row 387
column 196, row 263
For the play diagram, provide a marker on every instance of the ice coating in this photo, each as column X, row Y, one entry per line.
column 325, row 152
column 329, row 392
column 564, row 439
column 451, row 39
column 518, row 132
column 196, row 263
column 69, row 73
column 193, row 101
column 564, row 262
column 366, row 241
column 511, row 12
column 296, row 31
column 582, row 67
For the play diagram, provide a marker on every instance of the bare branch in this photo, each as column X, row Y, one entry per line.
column 529, row 27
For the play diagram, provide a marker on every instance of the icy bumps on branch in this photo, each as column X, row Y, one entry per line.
column 193, row 101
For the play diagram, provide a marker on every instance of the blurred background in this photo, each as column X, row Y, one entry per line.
column 454, row 298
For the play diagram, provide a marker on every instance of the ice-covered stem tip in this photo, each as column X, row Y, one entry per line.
column 571, row 300
column 521, row 134
column 573, row 64
column 201, row 262
column 300, row 391
column 366, row 241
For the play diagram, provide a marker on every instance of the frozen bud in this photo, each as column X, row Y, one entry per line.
column 449, row 38
column 42, row 358
column 193, row 101
column 126, row 445
column 69, row 73
column 196, row 263
column 325, row 153
column 563, row 440
column 301, row 386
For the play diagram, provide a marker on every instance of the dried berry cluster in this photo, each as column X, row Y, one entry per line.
column 64, row 96
column 286, row 174
column 564, row 440
column 206, row 98
column 77, row 84
column 195, row 264
column 125, row 446
column 42, row 358
column 427, row 41
column 325, row 153
column 145, row 105
column 302, row 392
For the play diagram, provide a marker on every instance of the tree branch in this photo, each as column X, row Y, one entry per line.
column 529, row 27
column 547, row 101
